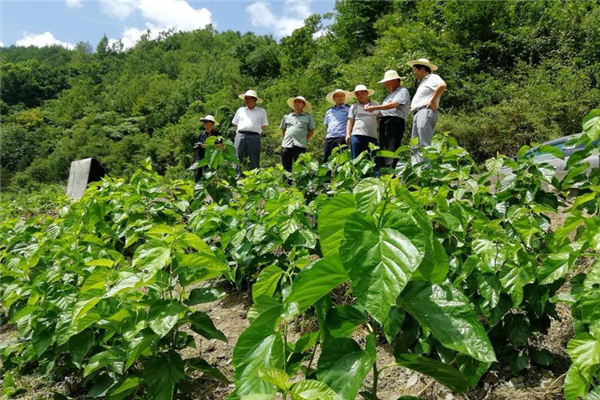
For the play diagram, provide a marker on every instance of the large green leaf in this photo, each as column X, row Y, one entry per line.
column 161, row 374
column 450, row 316
column 163, row 316
column 267, row 282
column 205, row 295
column 113, row 357
column 275, row 376
column 584, row 350
column 439, row 371
column 200, row 364
column 557, row 265
column 152, row 256
column 343, row 365
column 368, row 193
column 578, row 381
column 310, row 389
column 379, row 262
column 258, row 346
column 343, row 320
column 197, row 267
column 331, row 222
column 138, row 345
column 203, row 325
column 313, row 283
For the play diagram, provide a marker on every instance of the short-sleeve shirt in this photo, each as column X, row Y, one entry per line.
column 400, row 96
column 426, row 90
column 336, row 119
column 365, row 122
column 250, row 120
column 296, row 129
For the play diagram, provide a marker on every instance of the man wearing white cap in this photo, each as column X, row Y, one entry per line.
column 425, row 103
column 362, row 124
column 336, row 120
column 297, row 128
column 393, row 115
column 209, row 123
column 250, row 122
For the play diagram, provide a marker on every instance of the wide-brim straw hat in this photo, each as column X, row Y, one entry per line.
column 307, row 106
column 391, row 75
column 422, row 61
column 330, row 95
column 251, row 93
column 209, row 118
column 358, row 88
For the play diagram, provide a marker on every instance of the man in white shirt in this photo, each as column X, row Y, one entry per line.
column 425, row 103
column 250, row 122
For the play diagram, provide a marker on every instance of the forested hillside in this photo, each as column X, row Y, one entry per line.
column 517, row 72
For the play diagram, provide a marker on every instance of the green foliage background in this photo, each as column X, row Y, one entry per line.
column 517, row 72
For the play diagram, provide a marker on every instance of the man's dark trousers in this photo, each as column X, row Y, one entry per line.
column 289, row 155
column 330, row 144
column 391, row 131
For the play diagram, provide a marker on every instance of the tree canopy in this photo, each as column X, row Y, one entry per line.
column 517, row 72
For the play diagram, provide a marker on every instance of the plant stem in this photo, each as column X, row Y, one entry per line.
column 375, row 378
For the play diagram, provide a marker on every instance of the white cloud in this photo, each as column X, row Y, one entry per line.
column 118, row 9
column 175, row 14
column 74, row 3
column 159, row 15
column 41, row 40
column 294, row 15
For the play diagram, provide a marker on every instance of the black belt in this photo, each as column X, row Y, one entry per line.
column 391, row 117
column 416, row 110
column 249, row 133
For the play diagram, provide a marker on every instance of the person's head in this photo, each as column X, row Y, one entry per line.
column 391, row 80
column 250, row 98
column 209, row 122
column 250, row 101
column 420, row 71
column 421, row 67
column 339, row 98
column 362, row 93
column 392, row 85
column 299, row 104
column 362, row 96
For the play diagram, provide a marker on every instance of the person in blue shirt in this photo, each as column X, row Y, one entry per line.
column 336, row 119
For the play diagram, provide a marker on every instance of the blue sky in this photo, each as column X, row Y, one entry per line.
column 67, row 22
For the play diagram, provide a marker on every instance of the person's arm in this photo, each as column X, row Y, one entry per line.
column 264, row 128
column 436, row 95
column 349, row 128
column 283, row 133
column 387, row 106
column 311, row 127
column 311, row 132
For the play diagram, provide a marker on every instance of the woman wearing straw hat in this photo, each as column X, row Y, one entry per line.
column 209, row 123
column 393, row 115
column 297, row 128
column 362, row 125
column 250, row 122
column 425, row 103
column 336, row 120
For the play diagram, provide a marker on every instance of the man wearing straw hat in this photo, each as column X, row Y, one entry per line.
column 297, row 128
column 336, row 120
column 393, row 115
column 209, row 123
column 362, row 124
column 250, row 122
column 425, row 103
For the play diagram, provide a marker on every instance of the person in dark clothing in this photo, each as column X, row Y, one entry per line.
column 209, row 124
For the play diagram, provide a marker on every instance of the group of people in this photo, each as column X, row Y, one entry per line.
column 354, row 126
